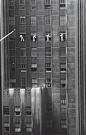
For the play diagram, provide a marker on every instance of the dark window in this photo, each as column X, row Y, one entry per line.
column 47, row 3
column 62, row 36
column 48, row 67
column 33, row 37
column 17, row 111
column 11, row 2
column 23, row 82
column 23, row 66
column 62, row 3
column 22, row 37
column 6, row 110
column 22, row 20
column 12, row 85
column 22, row 2
column 6, row 129
column 63, row 85
column 47, row 37
column 28, row 110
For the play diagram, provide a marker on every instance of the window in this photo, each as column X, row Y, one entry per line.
column 63, row 110
column 6, row 126
column 6, row 110
column 33, row 37
column 12, row 52
column 34, row 81
column 63, row 60
column 22, row 20
column 33, row 2
column 17, row 111
column 28, row 110
column 62, row 20
column 22, row 2
column 34, row 59
column 62, row 36
column 12, row 85
column 63, row 76
column 23, row 82
column 12, row 65
column 11, row 2
column 11, row 21
column 34, row 85
column 34, row 52
column 62, row 3
column 23, row 52
column 22, row 37
column 33, row 67
column 17, row 124
column 23, row 66
column 63, row 85
column 48, row 51
column 48, row 82
column 48, row 67
column 28, row 129
column 47, row 3
column 33, row 21
column 63, row 123
column 47, row 20
column 17, row 129
column 47, row 37
column 49, row 107
column 63, row 51
column 63, row 99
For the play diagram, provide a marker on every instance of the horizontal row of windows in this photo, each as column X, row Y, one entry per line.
column 33, row 2
column 17, row 129
column 17, row 111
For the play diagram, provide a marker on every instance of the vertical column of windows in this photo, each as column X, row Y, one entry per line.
column 12, row 42
column 48, row 56
column 33, row 44
column 22, row 12
column 63, row 63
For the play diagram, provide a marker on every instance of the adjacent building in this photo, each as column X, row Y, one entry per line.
column 47, row 50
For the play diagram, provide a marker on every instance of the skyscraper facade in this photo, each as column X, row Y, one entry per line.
column 46, row 50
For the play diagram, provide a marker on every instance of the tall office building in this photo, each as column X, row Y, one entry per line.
column 47, row 50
